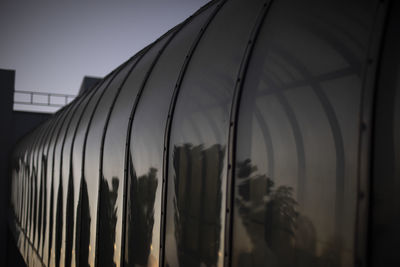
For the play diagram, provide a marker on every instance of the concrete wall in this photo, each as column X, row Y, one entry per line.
column 6, row 104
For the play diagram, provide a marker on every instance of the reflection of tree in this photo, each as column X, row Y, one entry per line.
column 82, row 237
column 279, row 234
column 197, row 203
column 108, row 221
column 142, row 193
column 280, row 221
column 69, row 227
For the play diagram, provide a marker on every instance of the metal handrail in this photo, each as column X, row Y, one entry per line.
column 49, row 95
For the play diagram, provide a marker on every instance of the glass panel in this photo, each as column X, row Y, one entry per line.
column 81, row 231
column 39, row 200
column 27, row 178
column 19, row 152
column 92, row 157
column 385, row 231
column 37, row 195
column 44, row 182
column 296, row 184
column 112, row 182
column 23, row 181
column 58, row 187
column 49, row 237
column 146, row 150
column 29, row 172
column 34, row 185
column 33, row 180
column 68, row 184
column 64, row 160
column 197, row 150
column 26, row 182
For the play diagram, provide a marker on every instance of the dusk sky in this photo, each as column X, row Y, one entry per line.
column 53, row 44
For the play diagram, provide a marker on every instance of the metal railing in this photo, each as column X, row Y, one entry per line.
column 46, row 99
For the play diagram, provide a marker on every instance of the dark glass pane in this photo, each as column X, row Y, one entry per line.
column 298, row 134
column 385, row 230
column 92, row 157
column 197, row 150
column 146, row 150
column 112, row 180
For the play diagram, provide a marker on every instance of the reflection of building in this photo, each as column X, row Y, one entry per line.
column 249, row 127
column 198, row 203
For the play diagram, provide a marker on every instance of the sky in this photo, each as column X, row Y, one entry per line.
column 52, row 45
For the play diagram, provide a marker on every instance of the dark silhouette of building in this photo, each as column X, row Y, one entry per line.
column 88, row 82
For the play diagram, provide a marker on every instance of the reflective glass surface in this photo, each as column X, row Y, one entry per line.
column 41, row 166
column 37, row 182
column 49, row 238
column 81, row 231
column 30, row 176
column 43, row 226
column 66, row 220
column 385, row 206
column 197, row 149
column 88, row 186
column 33, row 180
column 112, row 179
column 41, row 203
column 146, row 150
column 28, row 173
column 58, row 188
column 298, row 133
column 92, row 158
column 68, row 188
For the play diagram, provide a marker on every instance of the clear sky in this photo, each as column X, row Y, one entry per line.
column 53, row 44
